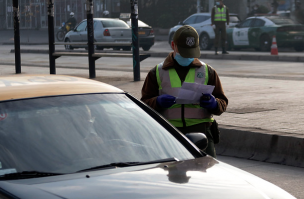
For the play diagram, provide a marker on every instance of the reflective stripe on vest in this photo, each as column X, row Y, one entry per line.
column 170, row 83
column 220, row 14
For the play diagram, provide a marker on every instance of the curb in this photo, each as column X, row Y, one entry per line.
column 203, row 56
column 261, row 145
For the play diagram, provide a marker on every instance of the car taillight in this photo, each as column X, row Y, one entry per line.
column 106, row 32
column 151, row 32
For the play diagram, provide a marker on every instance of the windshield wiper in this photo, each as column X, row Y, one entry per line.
column 28, row 174
column 128, row 164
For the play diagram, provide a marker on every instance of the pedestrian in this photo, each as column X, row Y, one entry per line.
column 219, row 19
column 164, row 81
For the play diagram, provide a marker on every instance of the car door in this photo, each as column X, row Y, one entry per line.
column 199, row 22
column 84, row 34
column 240, row 33
column 78, row 32
column 255, row 31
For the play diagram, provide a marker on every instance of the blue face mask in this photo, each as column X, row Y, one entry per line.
column 183, row 61
column 218, row 3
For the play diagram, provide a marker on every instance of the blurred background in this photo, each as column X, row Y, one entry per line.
column 159, row 14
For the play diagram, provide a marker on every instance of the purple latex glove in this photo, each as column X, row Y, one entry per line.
column 208, row 101
column 165, row 101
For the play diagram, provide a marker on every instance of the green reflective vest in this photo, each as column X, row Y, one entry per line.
column 170, row 83
column 220, row 14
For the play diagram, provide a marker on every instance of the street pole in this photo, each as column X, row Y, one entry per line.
column 135, row 44
column 211, row 5
column 17, row 37
column 90, row 33
column 51, row 36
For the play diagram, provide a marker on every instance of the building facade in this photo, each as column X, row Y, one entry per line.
column 33, row 13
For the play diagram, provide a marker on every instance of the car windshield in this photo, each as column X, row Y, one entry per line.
column 65, row 134
column 282, row 21
column 114, row 23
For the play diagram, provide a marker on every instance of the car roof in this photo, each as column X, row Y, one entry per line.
column 30, row 86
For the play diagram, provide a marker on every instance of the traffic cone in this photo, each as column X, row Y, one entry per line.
column 274, row 46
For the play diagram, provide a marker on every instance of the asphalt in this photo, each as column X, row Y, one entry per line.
column 264, row 120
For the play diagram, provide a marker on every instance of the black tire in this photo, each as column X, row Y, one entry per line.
column 60, row 35
column 99, row 48
column 126, row 48
column 146, row 48
column 265, row 43
column 299, row 48
column 228, row 45
column 68, row 47
column 205, row 42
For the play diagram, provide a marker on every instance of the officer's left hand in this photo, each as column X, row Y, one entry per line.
column 208, row 101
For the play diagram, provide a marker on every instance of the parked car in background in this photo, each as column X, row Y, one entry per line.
column 202, row 23
column 112, row 31
column 75, row 138
column 257, row 32
column 146, row 35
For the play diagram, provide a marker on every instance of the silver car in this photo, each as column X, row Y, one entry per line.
column 202, row 23
column 112, row 31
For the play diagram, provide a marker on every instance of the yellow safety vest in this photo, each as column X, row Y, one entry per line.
column 170, row 83
column 220, row 14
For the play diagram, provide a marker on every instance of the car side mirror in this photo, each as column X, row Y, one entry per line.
column 237, row 26
column 199, row 139
column 180, row 23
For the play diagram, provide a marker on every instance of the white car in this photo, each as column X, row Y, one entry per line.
column 202, row 23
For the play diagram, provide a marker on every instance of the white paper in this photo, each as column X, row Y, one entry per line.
column 190, row 93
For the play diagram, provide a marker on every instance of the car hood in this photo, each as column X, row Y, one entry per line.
column 198, row 178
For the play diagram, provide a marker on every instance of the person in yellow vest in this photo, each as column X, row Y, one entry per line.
column 164, row 81
column 219, row 19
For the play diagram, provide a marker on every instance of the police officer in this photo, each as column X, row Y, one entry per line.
column 163, row 82
column 219, row 19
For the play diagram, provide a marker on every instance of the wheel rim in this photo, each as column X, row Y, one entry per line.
column 264, row 44
column 60, row 36
column 204, row 42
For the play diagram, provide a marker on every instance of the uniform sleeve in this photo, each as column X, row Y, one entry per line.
column 227, row 16
column 218, row 92
column 212, row 16
column 150, row 90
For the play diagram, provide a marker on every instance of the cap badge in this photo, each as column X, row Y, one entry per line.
column 190, row 41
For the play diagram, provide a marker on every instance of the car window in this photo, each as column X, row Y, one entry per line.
column 234, row 19
column 190, row 20
column 82, row 26
column 200, row 19
column 258, row 23
column 142, row 24
column 114, row 23
column 246, row 23
column 66, row 134
column 282, row 21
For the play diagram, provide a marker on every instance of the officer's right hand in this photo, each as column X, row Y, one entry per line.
column 165, row 101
